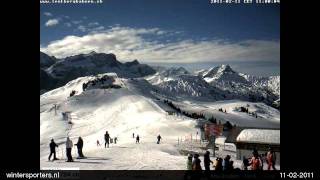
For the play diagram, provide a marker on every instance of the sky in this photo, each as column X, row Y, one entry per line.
column 185, row 32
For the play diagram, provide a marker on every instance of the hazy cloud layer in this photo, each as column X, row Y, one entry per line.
column 143, row 44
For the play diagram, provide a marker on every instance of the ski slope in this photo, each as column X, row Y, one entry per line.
column 121, row 112
column 268, row 117
column 134, row 108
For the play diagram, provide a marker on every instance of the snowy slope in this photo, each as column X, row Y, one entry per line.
column 268, row 117
column 134, row 108
column 120, row 111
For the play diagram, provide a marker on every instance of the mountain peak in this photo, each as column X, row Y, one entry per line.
column 132, row 63
column 92, row 53
column 225, row 68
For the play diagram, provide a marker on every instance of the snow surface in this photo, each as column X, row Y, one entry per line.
column 134, row 108
column 268, row 117
column 119, row 111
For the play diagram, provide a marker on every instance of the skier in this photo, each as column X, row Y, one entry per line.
column 53, row 146
column 69, row 146
column 138, row 139
column 132, row 135
column 159, row 138
column 226, row 163
column 189, row 162
column 231, row 168
column 80, row 146
column 98, row 143
column 196, row 163
column 115, row 140
column 106, row 138
column 255, row 161
column 245, row 162
column 218, row 164
column 207, row 161
column 271, row 159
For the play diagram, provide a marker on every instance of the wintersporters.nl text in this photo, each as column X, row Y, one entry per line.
column 40, row 175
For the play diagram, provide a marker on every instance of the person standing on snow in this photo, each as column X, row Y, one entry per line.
column 207, row 161
column 106, row 138
column 218, row 164
column 80, row 146
column 69, row 145
column 159, row 138
column 189, row 162
column 115, row 140
column 132, row 135
column 271, row 159
column 255, row 161
column 226, row 163
column 245, row 163
column 53, row 146
column 196, row 164
column 138, row 139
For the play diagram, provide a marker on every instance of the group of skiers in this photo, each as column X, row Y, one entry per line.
column 226, row 165
column 219, row 164
column 257, row 160
column 138, row 138
column 108, row 140
column 69, row 145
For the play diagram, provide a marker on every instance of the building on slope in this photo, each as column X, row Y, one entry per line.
column 247, row 139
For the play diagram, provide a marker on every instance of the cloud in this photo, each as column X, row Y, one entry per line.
column 93, row 24
column 82, row 28
column 77, row 22
column 144, row 44
column 47, row 14
column 52, row 22
column 68, row 24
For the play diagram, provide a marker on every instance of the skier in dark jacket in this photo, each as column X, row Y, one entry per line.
column 196, row 163
column 53, row 146
column 226, row 163
column 245, row 162
column 106, row 138
column 137, row 139
column 207, row 161
column 159, row 138
column 80, row 146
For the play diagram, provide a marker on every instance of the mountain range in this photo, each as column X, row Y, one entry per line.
column 57, row 72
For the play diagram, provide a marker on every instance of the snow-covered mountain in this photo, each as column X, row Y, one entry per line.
column 70, row 68
column 123, row 106
column 167, row 74
column 218, row 83
column 222, row 73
